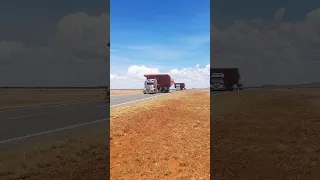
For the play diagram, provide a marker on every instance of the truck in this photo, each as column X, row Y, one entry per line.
column 224, row 79
column 240, row 87
column 156, row 83
column 179, row 86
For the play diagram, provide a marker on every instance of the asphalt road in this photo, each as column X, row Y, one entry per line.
column 117, row 101
column 20, row 124
column 213, row 93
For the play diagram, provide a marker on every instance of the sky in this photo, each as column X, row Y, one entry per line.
column 159, row 36
column 271, row 42
column 54, row 43
column 62, row 43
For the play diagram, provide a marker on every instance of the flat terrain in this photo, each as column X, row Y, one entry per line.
column 179, row 149
column 18, row 124
column 117, row 101
column 79, row 156
column 266, row 134
column 118, row 92
column 25, row 98
column 167, row 138
column 21, row 98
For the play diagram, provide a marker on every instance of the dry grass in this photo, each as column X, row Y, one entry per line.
column 268, row 134
column 168, row 141
column 79, row 157
column 173, row 146
column 21, row 98
column 119, row 92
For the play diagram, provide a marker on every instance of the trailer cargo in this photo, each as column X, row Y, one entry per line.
column 224, row 79
column 157, row 83
column 179, row 86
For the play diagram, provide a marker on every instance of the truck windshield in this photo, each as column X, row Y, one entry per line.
column 149, row 83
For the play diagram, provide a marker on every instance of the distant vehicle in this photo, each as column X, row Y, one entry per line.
column 224, row 79
column 180, row 86
column 156, row 83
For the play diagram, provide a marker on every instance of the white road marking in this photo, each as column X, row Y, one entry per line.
column 51, row 131
column 121, row 97
column 136, row 100
column 19, row 117
column 47, row 106
column 219, row 94
column 68, row 127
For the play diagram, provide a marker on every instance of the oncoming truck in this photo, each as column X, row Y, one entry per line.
column 179, row 86
column 156, row 83
column 224, row 79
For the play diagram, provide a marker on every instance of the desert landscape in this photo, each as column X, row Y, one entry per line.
column 255, row 134
column 168, row 140
column 266, row 134
column 165, row 147
column 119, row 92
column 31, row 97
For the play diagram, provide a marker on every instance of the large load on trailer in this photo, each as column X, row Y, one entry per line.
column 157, row 83
column 179, row 86
column 224, row 79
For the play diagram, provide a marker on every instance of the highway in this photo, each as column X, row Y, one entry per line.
column 21, row 124
column 117, row 101
column 214, row 93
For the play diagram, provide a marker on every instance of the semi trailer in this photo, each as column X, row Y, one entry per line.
column 224, row 79
column 179, row 86
column 156, row 83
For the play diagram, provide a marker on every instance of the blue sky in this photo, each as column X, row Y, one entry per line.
column 159, row 33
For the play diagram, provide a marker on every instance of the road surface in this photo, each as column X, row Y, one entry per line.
column 214, row 93
column 20, row 124
column 117, row 101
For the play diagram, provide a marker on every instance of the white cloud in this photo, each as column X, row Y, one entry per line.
column 76, row 55
column 137, row 72
column 194, row 77
column 116, row 77
column 275, row 52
